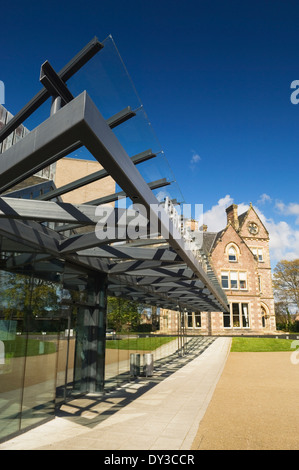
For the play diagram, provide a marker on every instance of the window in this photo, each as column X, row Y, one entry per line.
column 234, row 280
column 265, row 317
column 194, row 320
column 260, row 283
column 258, row 252
column 224, row 280
column 238, row 316
column 232, row 254
column 226, row 320
column 243, row 280
column 245, row 317
column 197, row 319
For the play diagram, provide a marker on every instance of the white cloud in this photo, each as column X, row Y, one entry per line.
column 290, row 209
column 284, row 238
column 194, row 160
column 264, row 198
column 215, row 218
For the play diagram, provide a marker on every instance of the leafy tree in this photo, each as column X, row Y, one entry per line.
column 21, row 294
column 284, row 319
column 286, row 283
column 123, row 314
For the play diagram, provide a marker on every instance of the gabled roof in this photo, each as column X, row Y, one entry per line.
column 210, row 239
column 242, row 218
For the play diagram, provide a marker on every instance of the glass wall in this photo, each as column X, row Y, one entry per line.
column 133, row 332
column 30, row 334
column 38, row 317
column 52, row 338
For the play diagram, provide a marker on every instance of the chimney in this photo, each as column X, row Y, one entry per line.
column 232, row 216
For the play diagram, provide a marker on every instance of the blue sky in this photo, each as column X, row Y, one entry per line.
column 214, row 78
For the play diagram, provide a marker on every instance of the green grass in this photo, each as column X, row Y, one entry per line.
column 261, row 344
column 17, row 348
column 141, row 344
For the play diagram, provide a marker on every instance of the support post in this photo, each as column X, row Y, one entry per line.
column 90, row 342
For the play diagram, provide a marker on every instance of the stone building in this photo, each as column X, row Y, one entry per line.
column 239, row 256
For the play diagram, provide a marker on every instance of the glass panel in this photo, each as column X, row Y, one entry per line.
column 40, row 372
column 198, row 320
column 113, row 328
column 109, row 85
column 226, row 320
column 243, row 280
column 236, row 315
column 232, row 254
column 245, row 316
column 12, row 363
column 234, row 280
column 190, row 320
column 224, row 280
column 107, row 81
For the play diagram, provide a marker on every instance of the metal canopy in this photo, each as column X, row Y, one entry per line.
column 157, row 268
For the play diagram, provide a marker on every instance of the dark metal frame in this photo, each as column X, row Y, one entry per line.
column 169, row 275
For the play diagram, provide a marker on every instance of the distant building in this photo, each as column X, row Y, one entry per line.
column 239, row 256
column 59, row 174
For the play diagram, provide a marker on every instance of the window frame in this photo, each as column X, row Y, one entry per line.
column 231, row 247
column 229, row 274
column 258, row 252
column 193, row 316
column 240, row 315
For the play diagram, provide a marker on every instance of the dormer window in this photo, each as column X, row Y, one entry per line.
column 232, row 254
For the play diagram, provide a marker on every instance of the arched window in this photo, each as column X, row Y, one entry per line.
column 232, row 254
column 265, row 317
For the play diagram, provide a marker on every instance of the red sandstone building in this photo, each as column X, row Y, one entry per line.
column 239, row 256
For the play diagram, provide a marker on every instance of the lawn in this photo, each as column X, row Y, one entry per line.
column 19, row 347
column 138, row 344
column 262, row 344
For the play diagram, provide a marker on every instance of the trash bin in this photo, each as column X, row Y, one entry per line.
column 148, row 364
column 134, row 365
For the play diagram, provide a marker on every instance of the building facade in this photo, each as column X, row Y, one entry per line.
column 239, row 256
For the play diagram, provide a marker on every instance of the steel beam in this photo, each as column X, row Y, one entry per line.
column 92, row 48
column 53, row 83
column 128, row 252
column 81, row 120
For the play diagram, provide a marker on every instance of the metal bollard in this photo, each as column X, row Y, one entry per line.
column 148, row 364
column 134, row 365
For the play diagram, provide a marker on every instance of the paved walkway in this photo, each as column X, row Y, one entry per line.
column 255, row 404
column 161, row 412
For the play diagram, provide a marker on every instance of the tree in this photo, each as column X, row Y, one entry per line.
column 22, row 293
column 123, row 314
column 286, row 284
